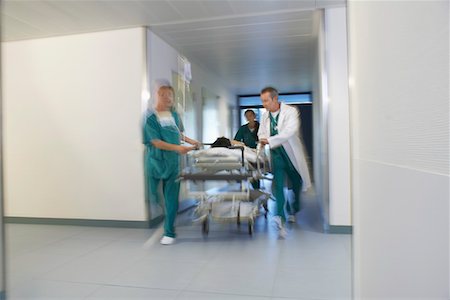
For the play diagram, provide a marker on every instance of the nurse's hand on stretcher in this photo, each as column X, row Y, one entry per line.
column 193, row 142
column 196, row 145
column 185, row 149
column 172, row 147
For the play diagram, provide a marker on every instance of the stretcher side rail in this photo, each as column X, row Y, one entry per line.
column 205, row 176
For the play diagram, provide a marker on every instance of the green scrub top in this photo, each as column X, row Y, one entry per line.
column 245, row 135
column 162, row 163
column 279, row 155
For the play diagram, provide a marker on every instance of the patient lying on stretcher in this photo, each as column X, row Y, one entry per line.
column 221, row 148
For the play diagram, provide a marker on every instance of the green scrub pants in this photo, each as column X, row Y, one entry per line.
column 171, row 192
column 282, row 167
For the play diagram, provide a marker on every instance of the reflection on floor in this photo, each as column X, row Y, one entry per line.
column 71, row 262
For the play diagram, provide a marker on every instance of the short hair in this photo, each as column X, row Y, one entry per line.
column 273, row 91
column 249, row 110
column 167, row 87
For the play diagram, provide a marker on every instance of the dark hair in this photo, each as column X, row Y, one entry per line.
column 250, row 110
column 221, row 142
column 273, row 91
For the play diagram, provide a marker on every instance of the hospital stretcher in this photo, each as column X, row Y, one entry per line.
column 219, row 178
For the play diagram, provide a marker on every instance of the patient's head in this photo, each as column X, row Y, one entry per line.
column 221, row 142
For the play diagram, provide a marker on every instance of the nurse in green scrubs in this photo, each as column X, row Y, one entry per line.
column 248, row 133
column 163, row 133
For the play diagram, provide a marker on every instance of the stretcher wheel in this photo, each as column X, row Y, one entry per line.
column 205, row 227
column 250, row 226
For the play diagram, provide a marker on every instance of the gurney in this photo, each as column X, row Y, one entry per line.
column 219, row 178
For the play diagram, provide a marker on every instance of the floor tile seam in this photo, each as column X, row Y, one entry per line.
column 178, row 294
column 39, row 274
column 93, row 228
column 71, row 260
column 173, row 261
column 66, row 281
column 82, row 230
column 149, row 233
column 318, row 251
column 124, row 268
column 313, row 257
column 104, row 284
column 44, row 245
column 76, row 257
column 308, row 297
column 302, row 298
column 318, row 269
column 224, row 293
column 34, row 249
column 93, row 292
column 279, row 254
column 191, row 280
column 91, row 250
column 133, row 286
column 108, row 243
column 96, row 286
column 69, row 235
column 313, row 297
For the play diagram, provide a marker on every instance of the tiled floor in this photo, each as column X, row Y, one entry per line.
column 70, row 262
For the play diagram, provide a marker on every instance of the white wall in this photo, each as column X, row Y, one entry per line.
column 399, row 65
column 2, row 224
column 338, row 116
column 331, row 117
column 72, row 136
column 320, row 118
column 163, row 60
column 203, row 78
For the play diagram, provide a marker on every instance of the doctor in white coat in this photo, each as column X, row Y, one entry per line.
column 280, row 129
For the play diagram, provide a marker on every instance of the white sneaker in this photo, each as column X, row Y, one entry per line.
column 167, row 240
column 291, row 219
column 277, row 223
column 282, row 233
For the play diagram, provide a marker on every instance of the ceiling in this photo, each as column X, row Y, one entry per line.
column 248, row 44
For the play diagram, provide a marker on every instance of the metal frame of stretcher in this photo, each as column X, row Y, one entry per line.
column 219, row 168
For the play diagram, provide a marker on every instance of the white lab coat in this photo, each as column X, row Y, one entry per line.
column 288, row 137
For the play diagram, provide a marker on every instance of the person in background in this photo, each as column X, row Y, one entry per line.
column 163, row 134
column 280, row 129
column 248, row 134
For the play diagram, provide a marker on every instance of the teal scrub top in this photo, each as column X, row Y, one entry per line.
column 245, row 135
column 162, row 163
column 279, row 155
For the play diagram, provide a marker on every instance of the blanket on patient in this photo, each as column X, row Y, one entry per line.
column 249, row 153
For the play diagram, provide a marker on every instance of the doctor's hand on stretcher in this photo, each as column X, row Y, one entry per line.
column 237, row 143
column 263, row 141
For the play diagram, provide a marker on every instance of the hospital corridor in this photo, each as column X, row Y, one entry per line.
column 224, row 149
column 75, row 262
